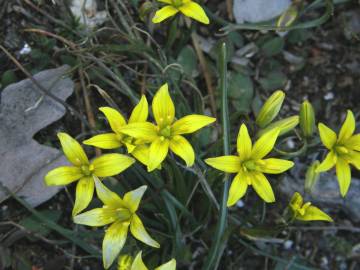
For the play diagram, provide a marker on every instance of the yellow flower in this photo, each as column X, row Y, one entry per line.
column 167, row 132
column 187, row 7
column 116, row 139
column 84, row 171
column 121, row 214
column 138, row 264
column 306, row 212
column 250, row 165
column 344, row 150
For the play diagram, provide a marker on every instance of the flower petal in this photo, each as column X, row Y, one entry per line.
column 327, row 136
column 191, row 123
column 353, row 157
column 97, row 217
column 108, row 197
column 140, row 112
column 229, row 164
column 164, row 13
column 115, row 118
column 138, row 231
column 138, row 263
column 244, row 144
column 114, row 240
column 348, row 128
column 262, row 187
column 163, row 107
column 84, row 194
column 104, row 141
column 195, row 11
column 237, row 189
column 111, row 164
column 170, row 265
column 343, row 174
column 132, row 198
column 141, row 130
column 63, row 175
column 314, row 213
column 181, row 147
column 353, row 142
column 327, row 163
column 275, row 165
column 264, row 144
column 158, row 152
column 72, row 150
column 141, row 153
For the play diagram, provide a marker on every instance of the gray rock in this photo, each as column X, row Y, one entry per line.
column 24, row 110
column 325, row 192
column 258, row 10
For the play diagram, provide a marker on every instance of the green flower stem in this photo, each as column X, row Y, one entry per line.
column 215, row 252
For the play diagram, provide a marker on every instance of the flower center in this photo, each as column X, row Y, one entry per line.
column 341, row 150
column 123, row 214
column 252, row 165
column 87, row 170
column 165, row 132
column 177, row 3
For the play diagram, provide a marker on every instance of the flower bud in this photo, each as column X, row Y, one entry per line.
column 307, row 119
column 270, row 109
column 311, row 176
column 145, row 10
column 288, row 17
column 284, row 125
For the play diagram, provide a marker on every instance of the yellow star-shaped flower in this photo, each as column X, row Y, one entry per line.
column 138, row 264
column 84, row 171
column 167, row 133
column 187, row 7
column 344, row 150
column 121, row 213
column 250, row 165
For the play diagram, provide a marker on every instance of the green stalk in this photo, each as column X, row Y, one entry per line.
column 215, row 253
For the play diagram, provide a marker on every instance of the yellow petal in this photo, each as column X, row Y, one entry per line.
column 108, row 197
column 353, row 157
column 97, row 217
column 353, row 142
column 72, row 150
column 327, row 163
column 63, row 176
column 104, row 141
column 244, row 144
column 138, row 263
column 141, row 130
column 138, row 231
column 163, row 107
column 114, row 240
column 191, row 123
column 157, row 153
column 141, row 153
column 264, row 144
column 195, row 11
column 132, row 198
column 348, row 127
column 275, row 165
column 115, row 118
column 181, row 147
column 327, row 136
column 140, row 112
column 84, row 194
column 164, row 13
column 262, row 187
column 237, row 189
column 170, row 265
column 343, row 174
column 229, row 164
column 314, row 213
column 130, row 147
column 111, row 164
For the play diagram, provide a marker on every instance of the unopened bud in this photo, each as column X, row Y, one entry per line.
column 284, row 125
column 311, row 176
column 270, row 109
column 288, row 17
column 307, row 119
